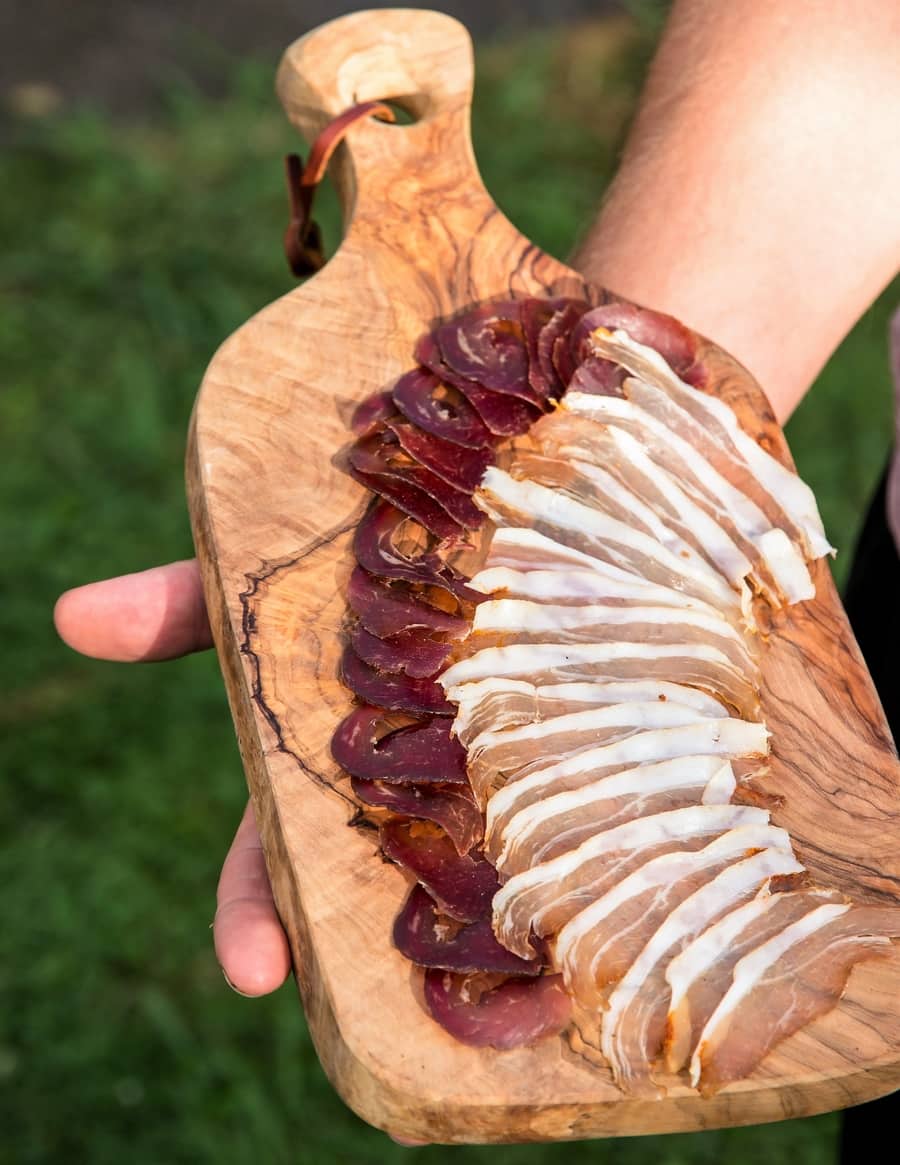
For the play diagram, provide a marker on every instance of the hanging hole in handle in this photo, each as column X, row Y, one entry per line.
column 406, row 110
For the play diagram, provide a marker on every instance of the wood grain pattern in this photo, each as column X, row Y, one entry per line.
column 273, row 517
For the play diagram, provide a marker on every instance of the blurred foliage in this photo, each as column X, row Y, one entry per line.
column 129, row 252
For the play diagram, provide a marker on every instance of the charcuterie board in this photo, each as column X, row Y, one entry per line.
column 273, row 516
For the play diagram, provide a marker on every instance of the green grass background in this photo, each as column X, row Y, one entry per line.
column 130, row 250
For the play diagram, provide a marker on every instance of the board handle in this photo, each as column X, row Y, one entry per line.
column 418, row 60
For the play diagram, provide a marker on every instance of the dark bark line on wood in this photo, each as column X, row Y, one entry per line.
column 251, row 601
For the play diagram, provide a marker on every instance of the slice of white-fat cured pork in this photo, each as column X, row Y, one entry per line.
column 593, row 485
column 728, row 739
column 596, row 947
column 784, row 984
column 557, row 824
column 779, row 568
column 699, row 975
column 526, row 550
column 625, row 457
column 510, row 502
column 634, row 1023
column 545, row 897
column 498, row 756
column 500, row 621
column 794, row 501
column 574, row 587
column 694, row 665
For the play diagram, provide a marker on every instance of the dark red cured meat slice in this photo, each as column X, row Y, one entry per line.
column 380, row 458
column 386, row 611
column 424, row 936
column 397, row 692
column 371, row 412
column 563, row 360
column 668, row 336
column 439, row 409
column 462, row 885
column 536, row 316
column 365, row 746
column 410, row 652
column 487, row 345
column 452, row 807
column 542, row 371
column 554, row 345
column 515, row 1013
column 505, row 416
column 376, row 547
column 461, row 468
column 598, row 377
column 414, row 502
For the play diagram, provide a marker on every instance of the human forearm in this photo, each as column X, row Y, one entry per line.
column 759, row 194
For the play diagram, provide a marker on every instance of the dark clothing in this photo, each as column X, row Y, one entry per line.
column 871, row 601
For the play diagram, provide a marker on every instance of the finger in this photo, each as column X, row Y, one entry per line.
column 155, row 614
column 251, row 945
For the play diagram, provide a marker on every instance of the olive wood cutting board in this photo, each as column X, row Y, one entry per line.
column 273, row 516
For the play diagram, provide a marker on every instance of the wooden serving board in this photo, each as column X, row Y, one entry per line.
column 273, row 517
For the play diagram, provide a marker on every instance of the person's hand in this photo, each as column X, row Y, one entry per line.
column 161, row 614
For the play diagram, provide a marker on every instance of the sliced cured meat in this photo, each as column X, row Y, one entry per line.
column 399, row 693
column 528, row 551
column 504, row 703
column 785, row 983
column 524, row 503
column 512, row 1014
column 504, row 416
column 596, row 487
column 787, row 498
column 574, row 587
column 625, row 457
column 557, row 824
column 723, row 457
column 490, row 703
column 386, row 468
column 598, row 376
column 413, row 501
column 695, row 665
column 386, row 611
column 700, row 974
column 461, row 885
column 535, row 314
column 510, row 754
column 728, row 739
column 545, row 897
column 522, row 621
column 560, row 699
column 431, row 939
column 409, row 652
column 370, row 414
column 452, row 807
column 598, row 945
column 488, row 345
column 634, row 1023
column 553, row 353
column 779, row 569
column 440, row 409
column 675, row 343
column 379, row 547
column 365, row 745
column 458, row 466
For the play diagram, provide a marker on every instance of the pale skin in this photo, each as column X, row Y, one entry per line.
column 758, row 200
